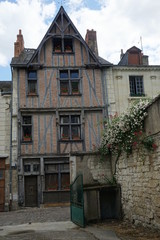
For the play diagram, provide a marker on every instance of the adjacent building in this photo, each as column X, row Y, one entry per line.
column 5, row 143
column 133, row 78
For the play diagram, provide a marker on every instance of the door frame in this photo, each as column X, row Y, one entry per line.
column 29, row 176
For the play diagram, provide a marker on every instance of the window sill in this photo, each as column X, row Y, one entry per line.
column 65, row 52
column 52, row 191
column 32, row 95
column 26, row 142
column 71, row 140
column 136, row 97
column 70, row 95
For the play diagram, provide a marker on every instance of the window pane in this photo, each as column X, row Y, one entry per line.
column 75, row 119
column 63, row 74
column 51, row 182
column 32, row 86
column 36, row 167
column 74, row 74
column 27, row 133
column 64, row 166
column 75, row 87
column 26, row 120
column 139, row 84
column 75, row 132
column 57, row 45
column 65, row 132
column 65, row 181
column 65, row 119
column 64, row 88
column 32, row 75
column 132, row 86
column 27, row 168
column 51, row 168
column 68, row 45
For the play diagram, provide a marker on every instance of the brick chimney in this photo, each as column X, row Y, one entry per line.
column 91, row 40
column 18, row 45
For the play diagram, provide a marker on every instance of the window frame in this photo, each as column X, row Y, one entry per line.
column 63, row 45
column 69, row 81
column 31, row 80
column 28, row 166
column 70, row 125
column 26, row 138
column 57, row 172
column 136, row 85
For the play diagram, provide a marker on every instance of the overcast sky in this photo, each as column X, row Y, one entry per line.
column 119, row 25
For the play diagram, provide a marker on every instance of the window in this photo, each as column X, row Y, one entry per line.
column 26, row 128
column 31, row 166
column 70, row 127
column 35, row 167
column 69, row 82
column 62, row 45
column 57, row 177
column 136, row 86
column 32, row 82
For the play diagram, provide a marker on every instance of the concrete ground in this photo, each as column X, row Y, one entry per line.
column 47, row 224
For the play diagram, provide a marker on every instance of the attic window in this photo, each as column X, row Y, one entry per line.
column 62, row 45
column 68, row 45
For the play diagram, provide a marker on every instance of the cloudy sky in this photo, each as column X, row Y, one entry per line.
column 119, row 25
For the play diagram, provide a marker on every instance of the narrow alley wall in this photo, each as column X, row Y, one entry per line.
column 139, row 177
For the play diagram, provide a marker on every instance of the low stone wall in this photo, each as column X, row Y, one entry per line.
column 93, row 169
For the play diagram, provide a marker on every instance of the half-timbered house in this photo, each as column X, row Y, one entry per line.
column 59, row 104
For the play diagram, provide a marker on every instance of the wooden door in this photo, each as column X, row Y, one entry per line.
column 2, row 184
column 31, row 191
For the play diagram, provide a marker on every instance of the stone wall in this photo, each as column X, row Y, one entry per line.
column 93, row 169
column 139, row 177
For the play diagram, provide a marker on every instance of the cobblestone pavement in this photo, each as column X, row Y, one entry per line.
column 33, row 215
column 56, row 235
column 47, row 224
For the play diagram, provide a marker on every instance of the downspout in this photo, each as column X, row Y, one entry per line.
column 10, row 168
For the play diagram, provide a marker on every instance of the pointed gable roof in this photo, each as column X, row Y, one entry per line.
column 63, row 26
